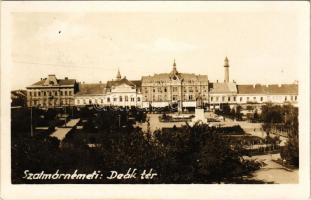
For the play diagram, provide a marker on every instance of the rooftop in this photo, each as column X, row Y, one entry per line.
column 91, row 89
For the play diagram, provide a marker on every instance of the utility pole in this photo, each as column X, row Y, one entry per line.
column 31, row 128
column 119, row 120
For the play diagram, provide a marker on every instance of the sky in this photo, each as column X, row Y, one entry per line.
column 263, row 46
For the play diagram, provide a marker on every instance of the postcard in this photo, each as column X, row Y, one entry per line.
column 155, row 100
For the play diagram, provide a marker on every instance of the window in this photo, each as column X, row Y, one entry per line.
column 61, row 93
column 190, row 97
column 190, row 89
column 211, row 98
column 101, row 101
column 120, row 98
column 95, row 101
column 291, row 98
column 132, row 99
column 114, row 99
column 261, row 98
column 223, row 98
column 126, row 98
column 78, row 101
column 234, row 98
column 159, row 98
column 66, row 93
column 217, row 98
column 174, row 97
column 165, row 90
column 90, row 101
column 247, row 98
column 39, row 93
column 70, row 92
column 228, row 98
column 174, row 89
column 108, row 99
column 254, row 98
column 241, row 99
column 55, row 93
column 84, row 102
column 286, row 98
column 153, row 90
column 295, row 98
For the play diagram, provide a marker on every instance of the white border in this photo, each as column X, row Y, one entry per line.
column 88, row 191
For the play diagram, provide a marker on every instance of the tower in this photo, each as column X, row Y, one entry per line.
column 226, row 66
column 174, row 68
column 118, row 77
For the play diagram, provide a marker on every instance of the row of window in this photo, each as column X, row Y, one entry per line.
column 50, row 103
column 175, row 89
column 292, row 98
column 50, row 93
column 174, row 97
column 114, row 99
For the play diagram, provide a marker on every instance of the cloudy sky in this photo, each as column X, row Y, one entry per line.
column 263, row 45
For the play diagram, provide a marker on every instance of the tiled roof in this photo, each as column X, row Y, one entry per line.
column 283, row 89
column 59, row 82
column 268, row 89
column 18, row 93
column 136, row 83
column 252, row 89
column 216, row 88
column 166, row 77
column 91, row 89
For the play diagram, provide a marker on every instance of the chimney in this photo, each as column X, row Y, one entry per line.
column 66, row 78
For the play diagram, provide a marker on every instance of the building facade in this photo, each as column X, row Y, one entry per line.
column 90, row 94
column 52, row 92
column 186, row 90
column 118, row 92
column 164, row 89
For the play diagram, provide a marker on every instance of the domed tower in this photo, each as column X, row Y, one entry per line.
column 226, row 66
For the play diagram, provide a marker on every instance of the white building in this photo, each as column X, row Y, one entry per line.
column 90, row 94
column 221, row 93
column 119, row 92
column 124, row 93
column 279, row 94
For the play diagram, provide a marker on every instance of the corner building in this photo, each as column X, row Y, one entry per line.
column 51, row 92
column 165, row 89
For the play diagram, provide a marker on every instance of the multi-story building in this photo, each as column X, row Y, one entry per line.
column 118, row 92
column 163, row 89
column 233, row 94
column 52, row 92
column 159, row 90
column 123, row 92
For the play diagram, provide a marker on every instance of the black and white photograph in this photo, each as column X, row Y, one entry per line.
column 150, row 94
